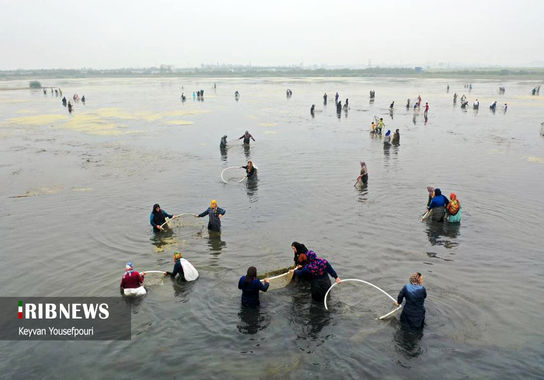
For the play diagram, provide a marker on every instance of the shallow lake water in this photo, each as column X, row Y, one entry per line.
column 77, row 190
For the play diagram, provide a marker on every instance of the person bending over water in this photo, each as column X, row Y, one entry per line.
column 387, row 138
column 318, row 271
column 437, row 205
column 158, row 217
column 413, row 313
column 454, row 209
column 250, row 169
column 131, row 279
column 215, row 214
column 246, row 136
column 250, row 286
column 178, row 269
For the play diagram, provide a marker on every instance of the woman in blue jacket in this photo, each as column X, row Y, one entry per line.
column 250, row 286
column 215, row 213
column 438, row 206
column 413, row 313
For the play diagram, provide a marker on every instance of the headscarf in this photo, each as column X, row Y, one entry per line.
column 437, row 192
column 430, row 189
column 453, row 197
column 317, row 267
column 154, row 211
column 388, row 132
column 213, row 202
column 177, row 256
column 414, row 278
column 129, row 268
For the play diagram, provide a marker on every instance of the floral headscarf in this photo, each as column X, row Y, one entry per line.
column 317, row 267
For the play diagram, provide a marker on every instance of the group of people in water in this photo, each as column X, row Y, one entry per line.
column 308, row 266
column 476, row 103
column 440, row 209
column 317, row 272
column 66, row 103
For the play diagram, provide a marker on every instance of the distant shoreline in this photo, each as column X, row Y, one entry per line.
column 499, row 73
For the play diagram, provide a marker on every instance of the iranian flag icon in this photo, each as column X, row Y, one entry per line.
column 20, row 309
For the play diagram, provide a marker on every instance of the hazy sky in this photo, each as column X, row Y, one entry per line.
column 119, row 33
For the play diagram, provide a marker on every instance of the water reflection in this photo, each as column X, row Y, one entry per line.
column 408, row 341
column 252, row 185
column 437, row 230
column 162, row 239
column 182, row 288
column 247, row 151
column 252, row 320
column 134, row 303
column 386, row 149
column 223, row 153
column 308, row 316
column 215, row 243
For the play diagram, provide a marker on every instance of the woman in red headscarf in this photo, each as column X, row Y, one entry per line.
column 453, row 209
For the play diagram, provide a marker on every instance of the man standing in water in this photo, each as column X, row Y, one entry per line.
column 246, row 136
column 215, row 214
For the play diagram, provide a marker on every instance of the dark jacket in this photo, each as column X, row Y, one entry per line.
column 250, row 291
column 214, row 223
column 413, row 313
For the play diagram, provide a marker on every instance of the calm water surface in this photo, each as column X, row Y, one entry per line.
column 77, row 191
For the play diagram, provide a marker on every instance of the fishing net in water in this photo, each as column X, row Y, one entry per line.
column 359, row 298
column 233, row 174
column 154, row 278
column 186, row 220
column 279, row 278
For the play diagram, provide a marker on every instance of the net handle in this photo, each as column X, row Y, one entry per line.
column 367, row 283
column 175, row 217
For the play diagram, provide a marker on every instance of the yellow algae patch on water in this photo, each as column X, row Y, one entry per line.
column 40, row 191
column 94, row 125
column 252, row 117
column 125, row 115
column 14, row 101
column 268, row 124
column 539, row 160
column 185, row 112
column 25, row 111
column 37, row 119
column 180, row 122
column 82, row 189
column 270, row 132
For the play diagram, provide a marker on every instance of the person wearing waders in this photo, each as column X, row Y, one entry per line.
column 317, row 270
column 413, row 313
column 215, row 214
column 158, row 217
column 246, row 136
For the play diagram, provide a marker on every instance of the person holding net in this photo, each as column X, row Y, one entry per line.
column 215, row 214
